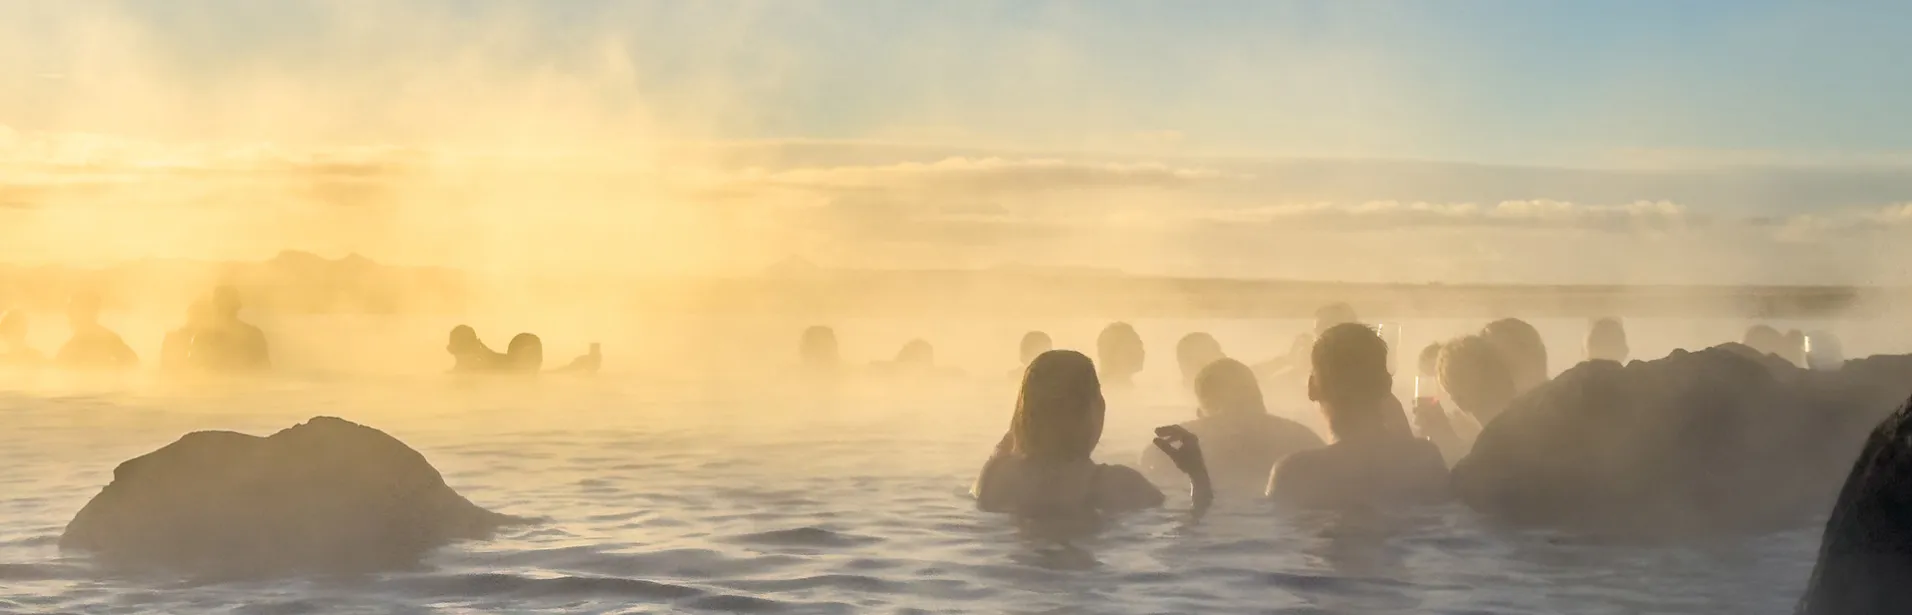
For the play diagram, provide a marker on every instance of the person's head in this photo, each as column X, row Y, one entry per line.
column 917, row 354
column 525, row 353
column 1350, row 378
column 1476, row 377
column 1119, row 348
column 1521, row 350
column 83, row 310
column 1333, row 314
column 13, row 327
column 225, row 302
column 1059, row 411
column 1607, row 341
column 1194, row 352
column 1765, row 339
column 464, row 340
column 1429, row 363
column 1227, row 387
column 818, row 346
column 1034, row 343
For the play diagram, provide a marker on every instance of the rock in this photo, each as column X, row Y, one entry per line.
column 1865, row 556
column 1724, row 440
column 327, row 495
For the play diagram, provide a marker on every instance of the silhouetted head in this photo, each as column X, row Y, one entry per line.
column 917, row 354
column 1034, row 343
column 13, row 327
column 464, row 340
column 1060, row 409
column 1607, row 341
column 1765, row 339
column 1350, row 378
column 1330, row 315
column 225, row 302
column 1119, row 349
column 83, row 310
column 1795, row 345
column 1196, row 351
column 526, row 353
column 1429, row 363
column 1226, row 387
column 1476, row 377
column 818, row 348
column 1521, row 350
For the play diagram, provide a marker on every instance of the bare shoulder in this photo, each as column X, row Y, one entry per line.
column 1295, row 475
column 1120, row 487
column 991, row 490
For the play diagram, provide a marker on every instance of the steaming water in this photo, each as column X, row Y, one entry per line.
column 721, row 495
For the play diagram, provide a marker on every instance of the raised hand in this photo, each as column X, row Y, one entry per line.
column 1185, row 450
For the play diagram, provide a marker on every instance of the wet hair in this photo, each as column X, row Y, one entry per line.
column 1607, row 340
column 818, row 346
column 1034, row 343
column 916, row 353
column 1119, row 349
column 525, row 353
column 1430, row 360
column 13, row 325
column 1059, row 410
column 1229, row 387
column 1194, row 352
column 1476, row 377
column 1521, row 349
column 1764, row 339
column 1333, row 314
column 1351, row 376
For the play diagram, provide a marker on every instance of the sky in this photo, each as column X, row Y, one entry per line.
column 1731, row 141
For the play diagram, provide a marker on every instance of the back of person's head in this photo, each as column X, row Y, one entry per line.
column 1034, row 343
column 1227, row 387
column 1607, row 341
column 13, row 325
column 916, row 353
column 463, row 339
column 1430, row 360
column 1119, row 349
column 818, row 346
column 1521, row 348
column 1476, row 377
column 1350, row 377
column 1059, row 410
column 1765, row 339
column 1332, row 315
column 525, row 353
column 1194, row 352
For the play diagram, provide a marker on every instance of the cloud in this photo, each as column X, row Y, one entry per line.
column 1541, row 213
column 986, row 176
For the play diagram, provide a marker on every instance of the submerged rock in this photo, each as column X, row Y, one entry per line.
column 1865, row 557
column 1722, row 440
column 327, row 495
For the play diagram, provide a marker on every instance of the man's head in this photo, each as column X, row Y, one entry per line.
column 1521, row 350
column 1607, row 341
column 1475, row 375
column 1350, row 373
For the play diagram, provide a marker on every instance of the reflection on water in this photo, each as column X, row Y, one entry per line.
column 724, row 498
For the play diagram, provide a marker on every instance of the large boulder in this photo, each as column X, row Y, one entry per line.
column 327, row 495
column 1726, row 439
column 1865, row 557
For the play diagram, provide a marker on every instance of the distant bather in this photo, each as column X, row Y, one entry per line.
column 818, row 348
column 230, row 344
column 1120, row 354
column 1520, row 345
column 1034, row 343
column 525, row 354
column 92, row 346
column 176, row 351
column 471, row 354
column 1194, row 352
column 1241, row 440
column 1607, row 341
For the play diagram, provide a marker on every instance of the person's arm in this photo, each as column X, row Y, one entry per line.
column 1182, row 447
column 1291, row 480
column 989, row 490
